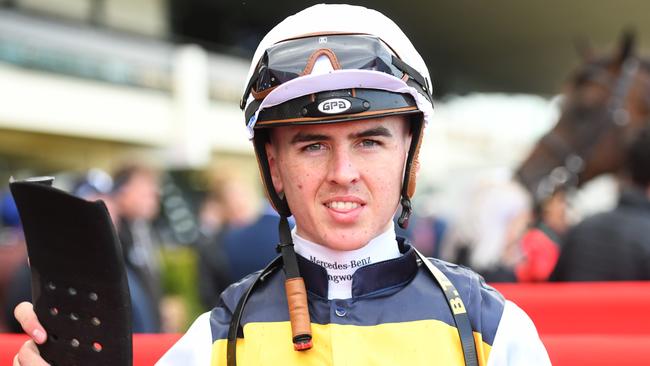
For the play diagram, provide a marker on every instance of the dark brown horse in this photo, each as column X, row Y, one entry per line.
column 606, row 102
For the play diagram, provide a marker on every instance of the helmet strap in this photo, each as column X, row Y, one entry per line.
column 285, row 248
column 404, row 217
column 408, row 185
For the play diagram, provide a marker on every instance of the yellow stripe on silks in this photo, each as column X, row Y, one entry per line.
column 422, row 342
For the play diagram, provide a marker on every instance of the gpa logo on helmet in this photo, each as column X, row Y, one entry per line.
column 334, row 106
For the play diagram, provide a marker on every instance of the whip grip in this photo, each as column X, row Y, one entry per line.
column 298, row 313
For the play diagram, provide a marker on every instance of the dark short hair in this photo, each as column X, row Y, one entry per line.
column 124, row 174
column 638, row 159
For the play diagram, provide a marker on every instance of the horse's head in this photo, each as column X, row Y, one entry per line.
column 606, row 102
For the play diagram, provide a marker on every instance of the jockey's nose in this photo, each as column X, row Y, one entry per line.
column 342, row 169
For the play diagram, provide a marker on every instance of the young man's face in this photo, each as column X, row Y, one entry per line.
column 342, row 180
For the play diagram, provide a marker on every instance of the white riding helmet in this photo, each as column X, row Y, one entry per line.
column 335, row 63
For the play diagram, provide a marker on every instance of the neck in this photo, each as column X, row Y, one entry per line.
column 341, row 265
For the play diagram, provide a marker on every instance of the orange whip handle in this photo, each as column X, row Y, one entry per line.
column 295, row 290
column 298, row 313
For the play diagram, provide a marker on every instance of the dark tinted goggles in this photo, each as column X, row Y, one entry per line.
column 290, row 59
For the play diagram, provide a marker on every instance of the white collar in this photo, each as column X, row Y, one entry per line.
column 341, row 265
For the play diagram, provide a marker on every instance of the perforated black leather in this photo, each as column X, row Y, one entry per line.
column 79, row 287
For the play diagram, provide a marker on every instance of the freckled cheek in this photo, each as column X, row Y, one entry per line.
column 383, row 186
column 389, row 183
column 300, row 180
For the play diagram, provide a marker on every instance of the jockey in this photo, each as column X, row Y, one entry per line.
column 335, row 103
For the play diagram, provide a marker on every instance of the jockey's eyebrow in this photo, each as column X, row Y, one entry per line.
column 372, row 132
column 307, row 137
column 377, row 131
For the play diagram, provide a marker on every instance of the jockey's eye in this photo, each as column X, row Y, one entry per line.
column 313, row 147
column 370, row 143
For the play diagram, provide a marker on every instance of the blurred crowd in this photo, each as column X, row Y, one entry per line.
column 499, row 231
column 506, row 235
column 158, row 221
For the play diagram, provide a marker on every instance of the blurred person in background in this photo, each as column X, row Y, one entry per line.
column 429, row 234
column 614, row 245
column 13, row 263
column 212, row 262
column 553, row 215
column 426, row 233
column 240, row 201
column 98, row 185
column 541, row 244
column 257, row 237
column 95, row 185
column 245, row 231
column 211, row 216
column 487, row 234
column 136, row 196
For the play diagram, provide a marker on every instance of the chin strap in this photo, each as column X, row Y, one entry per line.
column 404, row 217
column 295, row 288
column 410, row 170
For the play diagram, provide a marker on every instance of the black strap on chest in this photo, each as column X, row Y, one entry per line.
column 454, row 301
column 458, row 310
column 235, row 321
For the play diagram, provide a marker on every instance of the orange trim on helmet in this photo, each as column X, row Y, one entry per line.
column 320, row 52
column 325, row 119
column 263, row 93
column 415, row 165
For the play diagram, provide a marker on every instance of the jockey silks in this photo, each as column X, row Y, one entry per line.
column 396, row 315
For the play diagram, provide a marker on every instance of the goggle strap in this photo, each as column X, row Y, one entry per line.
column 247, row 91
column 411, row 72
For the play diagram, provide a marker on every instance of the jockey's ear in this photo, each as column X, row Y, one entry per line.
column 271, row 154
